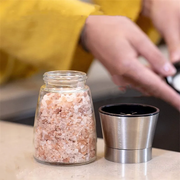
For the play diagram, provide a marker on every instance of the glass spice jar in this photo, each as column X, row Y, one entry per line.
column 64, row 128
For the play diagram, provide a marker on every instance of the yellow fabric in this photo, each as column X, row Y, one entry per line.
column 128, row 8
column 147, row 26
column 10, row 66
column 44, row 34
column 41, row 33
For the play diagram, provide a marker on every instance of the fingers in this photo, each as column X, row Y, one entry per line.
column 123, row 84
column 116, row 42
column 172, row 38
column 166, row 18
column 147, row 49
column 119, row 81
column 144, row 79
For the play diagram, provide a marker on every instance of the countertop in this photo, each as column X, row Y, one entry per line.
column 17, row 162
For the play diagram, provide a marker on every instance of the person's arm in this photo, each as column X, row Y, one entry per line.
column 45, row 33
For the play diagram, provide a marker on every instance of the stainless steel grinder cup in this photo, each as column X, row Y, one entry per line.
column 128, row 131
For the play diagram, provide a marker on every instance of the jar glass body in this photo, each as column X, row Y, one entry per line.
column 64, row 128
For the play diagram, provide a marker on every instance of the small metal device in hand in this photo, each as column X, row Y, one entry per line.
column 174, row 81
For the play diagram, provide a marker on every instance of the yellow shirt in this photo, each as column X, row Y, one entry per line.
column 44, row 34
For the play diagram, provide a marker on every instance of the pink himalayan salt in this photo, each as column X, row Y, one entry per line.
column 65, row 129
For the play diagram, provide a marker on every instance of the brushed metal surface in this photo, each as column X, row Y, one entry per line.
column 128, row 139
column 128, row 156
column 128, row 132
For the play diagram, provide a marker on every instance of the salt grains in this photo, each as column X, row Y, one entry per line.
column 65, row 129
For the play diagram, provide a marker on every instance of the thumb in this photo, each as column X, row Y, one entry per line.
column 175, row 55
column 172, row 38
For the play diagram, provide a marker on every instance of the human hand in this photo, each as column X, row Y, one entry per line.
column 165, row 15
column 117, row 42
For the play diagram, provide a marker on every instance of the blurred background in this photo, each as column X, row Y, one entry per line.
column 18, row 103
